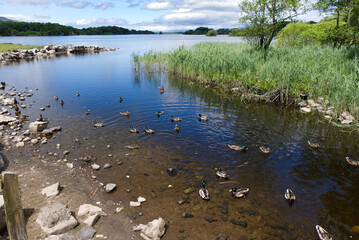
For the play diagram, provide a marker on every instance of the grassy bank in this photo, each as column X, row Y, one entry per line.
column 8, row 47
column 280, row 73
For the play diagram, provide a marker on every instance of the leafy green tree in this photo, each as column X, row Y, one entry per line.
column 264, row 18
column 211, row 33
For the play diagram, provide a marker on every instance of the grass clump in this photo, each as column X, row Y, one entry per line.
column 285, row 71
column 8, row 47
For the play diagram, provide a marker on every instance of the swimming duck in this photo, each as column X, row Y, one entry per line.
column 133, row 130
column 265, row 150
column 78, row 94
column 87, row 112
column 162, row 91
column 62, row 102
column 177, row 128
column 202, row 118
column 323, row 234
column 121, row 99
column 175, row 119
column 127, row 113
column 239, row 193
column 16, row 108
column 313, row 145
column 238, row 148
column 352, row 162
column 132, row 146
column 221, row 174
column 161, row 88
column 289, row 195
column 96, row 124
column 159, row 113
column 203, row 192
column 56, row 98
column 147, row 130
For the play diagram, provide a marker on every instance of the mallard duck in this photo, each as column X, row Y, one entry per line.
column 238, row 148
column 56, row 98
column 41, row 119
column 313, row 145
column 265, row 150
column 221, row 174
column 239, row 193
column 132, row 146
column 159, row 113
column 203, row 192
column 133, row 130
column 15, row 101
column 16, row 108
column 127, row 113
column 323, row 234
column 62, row 102
column 121, row 99
column 87, row 112
column 147, row 130
column 96, row 124
column 202, row 118
column 161, row 88
column 352, row 162
column 78, row 94
column 289, row 195
column 177, row 128
column 22, row 116
column 162, row 91
column 175, row 119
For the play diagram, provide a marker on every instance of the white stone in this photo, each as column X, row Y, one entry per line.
column 52, row 190
column 34, row 141
column 60, row 237
column 70, row 165
column 92, row 220
column 153, row 230
column 95, row 166
column 305, row 110
column 6, row 119
column 37, row 126
column 88, row 209
column 20, row 144
column 135, row 204
column 110, row 187
column 141, row 199
column 27, row 139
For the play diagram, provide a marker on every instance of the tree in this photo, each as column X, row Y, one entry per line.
column 265, row 18
column 211, row 33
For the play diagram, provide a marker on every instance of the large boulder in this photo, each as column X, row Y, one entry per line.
column 6, row 119
column 153, row 230
column 37, row 126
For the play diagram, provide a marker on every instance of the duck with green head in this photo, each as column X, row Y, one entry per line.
column 133, row 130
column 96, row 124
column 238, row 193
column 150, row 131
column 221, row 174
column 238, row 148
column 203, row 192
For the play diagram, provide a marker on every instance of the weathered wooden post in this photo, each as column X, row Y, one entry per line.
column 15, row 219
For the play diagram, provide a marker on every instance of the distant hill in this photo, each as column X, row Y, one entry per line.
column 11, row 28
column 4, row 19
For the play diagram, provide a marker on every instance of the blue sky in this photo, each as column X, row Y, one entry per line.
column 155, row 15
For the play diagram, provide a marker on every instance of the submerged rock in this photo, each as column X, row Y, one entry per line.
column 60, row 237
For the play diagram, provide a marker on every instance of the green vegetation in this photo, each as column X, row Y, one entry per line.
column 8, row 47
column 278, row 74
column 212, row 33
column 10, row 28
column 205, row 30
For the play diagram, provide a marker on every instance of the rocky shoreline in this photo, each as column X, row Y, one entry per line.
column 48, row 52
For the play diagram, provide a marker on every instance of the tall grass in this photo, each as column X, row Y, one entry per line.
column 322, row 70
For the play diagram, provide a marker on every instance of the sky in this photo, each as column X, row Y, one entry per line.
column 154, row 15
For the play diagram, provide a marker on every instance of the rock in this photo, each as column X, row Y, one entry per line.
column 56, row 129
column 20, row 144
column 311, row 102
column 280, row 227
column 187, row 215
column 44, row 141
column 26, row 133
column 172, row 171
column 88, row 209
column 135, row 204
column 210, row 220
column 37, row 126
column 86, row 232
column 107, row 165
column 221, row 238
column 27, row 139
column 320, row 100
column 2, row 214
column 6, row 119
column 305, row 110
column 328, row 117
column 302, row 104
column 345, row 114
column 66, row 152
column 34, row 141
column 239, row 222
column 47, row 132
column 60, row 237
column 70, row 165
column 141, row 199
column 42, row 109
column 153, row 230
column 182, row 201
column 55, row 219
column 92, row 220
column 355, row 229
column 346, row 121
column 52, row 190
column 110, row 187
column 95, row 166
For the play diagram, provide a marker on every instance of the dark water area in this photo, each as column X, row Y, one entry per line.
column 326, row 187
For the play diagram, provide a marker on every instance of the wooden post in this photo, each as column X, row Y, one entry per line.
column 15, row 219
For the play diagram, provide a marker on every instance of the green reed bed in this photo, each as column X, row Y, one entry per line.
column 320, row 70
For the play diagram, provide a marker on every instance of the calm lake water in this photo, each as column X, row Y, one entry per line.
column 326, row 187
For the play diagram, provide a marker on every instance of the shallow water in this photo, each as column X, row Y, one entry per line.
column 326, row 187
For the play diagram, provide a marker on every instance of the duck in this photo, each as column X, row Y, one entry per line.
column 87, row 112
column 62, row 102
column 289, row 195
column 16, row 108
column 127, row 113
column 121, row 99
column 323, row 234
column 264, row 149
column 202, row 118
column 3, row 84
column 352, row 162
column 15, row 101
column 162, row 91
column 177, row 128
column 159, row 113
column 238, row 148
column 313, row 145
column 22, row 116
column 239, row 193
column 221, row 174
column 175, row 119
column 132, row 146
column 56, row 98
column 41, row 119
column 133, row 130
column 161, row 88
column 147, row 130
column 203, row 192
column 78, row 94
column 96, row 124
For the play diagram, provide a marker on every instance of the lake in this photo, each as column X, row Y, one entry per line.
column 326, row 187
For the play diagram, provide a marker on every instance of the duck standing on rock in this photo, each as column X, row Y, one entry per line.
column 323, row 234
column 313, row 145
column 221, row 174
column 41, row 119
column 203, row 192
column 352, row 162
column 202, row 118
column 289, row 195
column 96, row 124
column 133, row 130
column 238, row 148
column 239, row 193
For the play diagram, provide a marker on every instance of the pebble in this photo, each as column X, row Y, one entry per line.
column 70, row 165
column 20, row 144
column 47, row 105
column 107, row 165
column 119, row 163
column 182, row 201
column 110, row 155
column 187, row 215
column 34, row 141
column 135, row 204
column 95, row 166
column 110, row 187
column 66, row 152
column 127, row 176
column 108, row 146
column 140, row 214
column 58, row 145
column 170, row 186
column 141, row 199
column 44, row 141
column 239, row 222
column 119, row 209
column 42, row 109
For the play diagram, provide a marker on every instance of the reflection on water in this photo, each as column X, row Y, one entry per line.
column 324, row 184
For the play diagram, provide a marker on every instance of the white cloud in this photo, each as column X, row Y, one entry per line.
column 19, row 17
column 92, row 22
column 42, row 16
column 79, row 4
column 160, row 5
column 104, row 5
column 29, row 2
